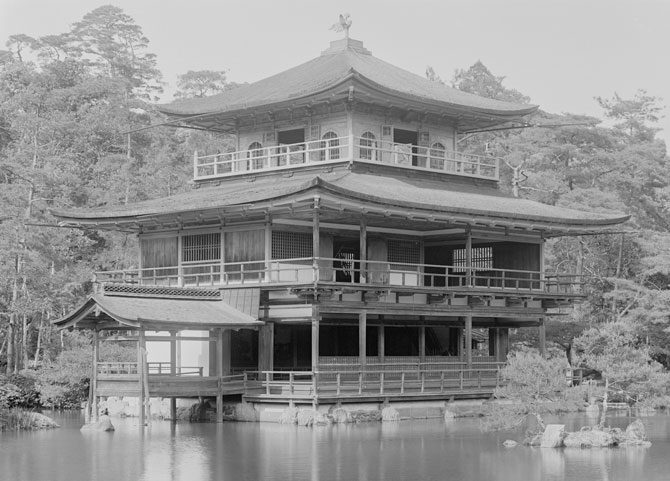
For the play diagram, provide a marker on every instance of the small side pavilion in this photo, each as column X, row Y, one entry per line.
column 157, row 318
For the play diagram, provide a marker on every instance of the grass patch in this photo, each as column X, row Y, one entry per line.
column 20, row 420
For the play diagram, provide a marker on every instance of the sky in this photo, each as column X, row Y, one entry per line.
column 560, row 53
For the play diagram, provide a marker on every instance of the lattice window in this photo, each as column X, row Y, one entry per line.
column 482, row 259
column 255, row 156
column 331, row 144
column 437, row 154
column 201, row 247
column 291, row 245
column 404, row 252
column 368, row 146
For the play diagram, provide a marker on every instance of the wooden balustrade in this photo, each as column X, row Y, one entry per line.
column 374, row 382
column 226, row 164
column 306, row 270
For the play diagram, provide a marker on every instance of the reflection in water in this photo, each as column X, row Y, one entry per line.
column 415, row 450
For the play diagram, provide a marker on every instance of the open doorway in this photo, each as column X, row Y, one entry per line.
column 346, row 252
column 404, row 153
column 292, row 147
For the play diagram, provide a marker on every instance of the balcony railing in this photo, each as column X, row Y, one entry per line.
column 308, row 270
column 339, row 149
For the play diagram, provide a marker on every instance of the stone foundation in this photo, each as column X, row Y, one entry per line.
column 306, row 415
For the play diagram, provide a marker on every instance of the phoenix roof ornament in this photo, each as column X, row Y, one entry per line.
column 343, row 25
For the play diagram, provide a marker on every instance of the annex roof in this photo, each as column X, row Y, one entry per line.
column 362, row 190
column 156, row 313
column 346, row 63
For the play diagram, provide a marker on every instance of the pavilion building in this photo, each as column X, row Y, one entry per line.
column 346, row 250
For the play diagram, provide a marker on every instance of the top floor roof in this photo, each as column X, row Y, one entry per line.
column 347, row 70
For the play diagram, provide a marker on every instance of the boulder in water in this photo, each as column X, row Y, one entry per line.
column 390, row 414
column 104, row 424
column 553, row 436
column 510, row 443
column 590, row 438
column 636, row 434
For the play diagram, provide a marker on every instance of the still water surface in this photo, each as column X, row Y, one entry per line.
column 413, row 450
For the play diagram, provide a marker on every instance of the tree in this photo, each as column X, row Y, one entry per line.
column 479, row 80
column 202, row 83
column 615, row 350
column 634, row 115
column 113, row 44
column 530, row 382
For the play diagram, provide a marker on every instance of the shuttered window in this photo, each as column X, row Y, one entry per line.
column 291, row 245
column 482, row 259
column 201, row 247
column 404, row 252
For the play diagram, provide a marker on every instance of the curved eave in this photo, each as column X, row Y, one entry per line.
column 499, row 218
column 333, row 195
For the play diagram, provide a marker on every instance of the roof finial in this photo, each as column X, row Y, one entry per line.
column 343, row 25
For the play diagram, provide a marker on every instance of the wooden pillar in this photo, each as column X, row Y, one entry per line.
column 493, row 339
column 543, row 338
column 173, row 372
column 93, row 398
column 315, row 338
column 268, row 247
column 503, row 343
column 468, row 256
column 380, row 341
column 266, row 347
column 468, row 341
column 316, row 237
column 227, row 367
column 362, row 341
column 422, row 343
column 363, row 250
column 219, row 375
column 141, row 343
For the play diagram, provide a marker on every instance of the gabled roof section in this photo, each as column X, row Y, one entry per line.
column 156, row 313
column 345, row 61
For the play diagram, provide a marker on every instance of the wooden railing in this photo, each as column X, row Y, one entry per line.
column 344, row 149
column 371, row 382
column 163, row 368
column 340, row 271
column 158, row 368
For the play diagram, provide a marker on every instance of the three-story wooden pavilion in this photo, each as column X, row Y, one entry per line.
column 346, row 250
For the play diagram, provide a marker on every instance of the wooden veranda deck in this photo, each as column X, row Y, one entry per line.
column 375, row 383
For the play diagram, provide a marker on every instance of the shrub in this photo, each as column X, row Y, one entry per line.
column 18, row 390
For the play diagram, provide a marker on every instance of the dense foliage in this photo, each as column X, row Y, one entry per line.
column 73, row 108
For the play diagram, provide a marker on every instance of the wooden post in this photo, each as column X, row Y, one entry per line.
column 422, row 343
column 268, row 247
column 493, row 337
column 468, row 341
column 543, row 338
column 316, row 240
column 363, row 247
column 362, row 341
column 140, row 372
column 315, row 339
column 468, row 256
column 266, row 347
column 93, row 399
column 173, row 372
column 227, row 368
column 219, row 375
column 380, row 342
column 503, row 342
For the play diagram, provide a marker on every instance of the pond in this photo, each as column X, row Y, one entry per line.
column 417, row 450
